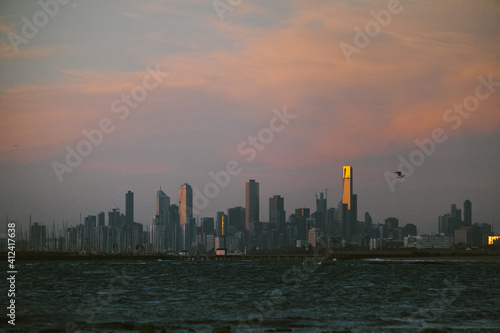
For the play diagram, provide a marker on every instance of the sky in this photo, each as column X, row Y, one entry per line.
column 101, row 97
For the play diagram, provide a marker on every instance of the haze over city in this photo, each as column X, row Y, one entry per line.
column 170, row 93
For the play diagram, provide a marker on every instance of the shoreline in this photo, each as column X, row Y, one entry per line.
column 407, row 255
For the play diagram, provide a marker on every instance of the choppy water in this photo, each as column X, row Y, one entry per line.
column 256, row 296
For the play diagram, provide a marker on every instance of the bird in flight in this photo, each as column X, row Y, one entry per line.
column 400, row 174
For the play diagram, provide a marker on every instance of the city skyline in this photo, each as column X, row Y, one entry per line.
column 185, row 191
column 159, row 94
column 174, row 232
column 276, row 213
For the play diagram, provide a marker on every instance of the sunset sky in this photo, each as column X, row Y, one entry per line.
column 219, row 72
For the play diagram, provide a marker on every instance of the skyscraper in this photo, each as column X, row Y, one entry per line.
column 368, row 221
column 162, row 202
column 186, row 215
column 252, row 204
column 159, row 231
column 456, row 213
column 467, row 212
column 347, row 193
column 349, row 214
column 235, row 219
column 303, row 212
column 185, row 203
column 277, row 212
column 320, row 214
column 219, row 223
column 129, row 207
column 100, row 219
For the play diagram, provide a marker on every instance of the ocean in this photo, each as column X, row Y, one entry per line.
column 257, row 296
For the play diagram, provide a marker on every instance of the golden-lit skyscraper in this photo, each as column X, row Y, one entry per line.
column 347, row 193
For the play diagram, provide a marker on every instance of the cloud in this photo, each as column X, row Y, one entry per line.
column 31, row 52
column 391, row 93
column 395, row 91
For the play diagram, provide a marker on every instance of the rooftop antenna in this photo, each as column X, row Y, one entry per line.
column 326, row 193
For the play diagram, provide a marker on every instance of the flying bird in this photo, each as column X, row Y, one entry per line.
column 400, row 174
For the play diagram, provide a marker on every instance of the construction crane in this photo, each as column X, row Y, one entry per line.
column 114, row 203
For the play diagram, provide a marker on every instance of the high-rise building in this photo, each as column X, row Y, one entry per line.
column 409, row 230
column 38, row 237
column 235, row 220
column 185, row 203
column 252, row 204
column 160, row 228
column 467, row 212
column 162, row 202
column 114, row 218
column 349, row 215
column 277, row 212
column 219, row 224
column 347, row 192
column 186, row 215
column 391, row 223
column 173, row 229
column 303, row 212
column 320, row 214
column 129, row 207
column 456, row 213
column 100, row 219
column 207, row 225
column 368, row 221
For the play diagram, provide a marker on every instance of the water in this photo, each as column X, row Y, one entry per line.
column 256, row 296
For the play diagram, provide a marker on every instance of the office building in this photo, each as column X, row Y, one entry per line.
column 347, row 186
column 303, row 212
column 347, row 214
column 219, row 223
column 188, row 235
column 320, row 214
column 252, row 205
column 235, row 220
column 467, row 212
column 129, row 207
column 159, row 229
column 277, row 213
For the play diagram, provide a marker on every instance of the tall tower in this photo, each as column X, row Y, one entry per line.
column 185, row 203
column 129, row 207
column 187, row 225
column 320, row 214
column 348, row 207
column 160, row 233
column 162, row 203
column 467, row 212
column 347, row 193
column 277, row 212
column 252, row 204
